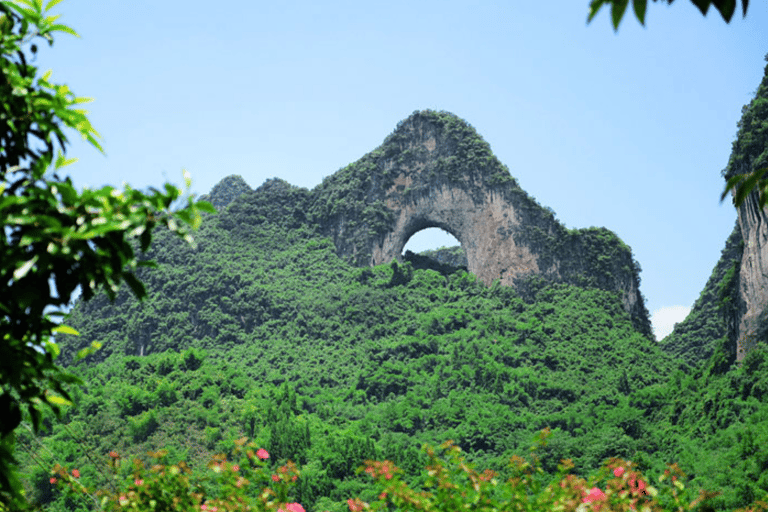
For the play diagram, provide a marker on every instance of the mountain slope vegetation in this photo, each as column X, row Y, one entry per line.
column 261, row 330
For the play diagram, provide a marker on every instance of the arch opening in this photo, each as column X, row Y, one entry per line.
column 445, row 250
column 429, row 239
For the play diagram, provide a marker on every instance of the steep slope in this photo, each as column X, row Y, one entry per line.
column 750, row 153
column 694, row 339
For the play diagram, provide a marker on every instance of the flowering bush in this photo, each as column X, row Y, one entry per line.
column 450, row 484
column 453, row 484
column 243, row 486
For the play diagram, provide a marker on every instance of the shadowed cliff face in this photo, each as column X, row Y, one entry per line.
column 436, row 171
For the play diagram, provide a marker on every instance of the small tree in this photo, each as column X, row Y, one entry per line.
column 56, row 239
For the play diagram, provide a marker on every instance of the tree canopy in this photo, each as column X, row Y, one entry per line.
column 57, row 239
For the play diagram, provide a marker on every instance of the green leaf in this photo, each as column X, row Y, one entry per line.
column 61, row 161
column 703, row 5
column 145, row 239
column 25, row 268
column 53, row 349
column 136, row 286
column 57, row 400
column 63, row 28
column 726, row 8
column 11, row 414
column 594, row 8
column 640, row 6
column 617, row 12
column 88, row 350
column 743, row 184
column 51, row 19
column 64, row 329
column 52, row 3
column 205, row 206
column 187, row 178
column 30, row 3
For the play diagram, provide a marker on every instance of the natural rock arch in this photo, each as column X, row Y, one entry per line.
column 482, row 228
column 434, row 170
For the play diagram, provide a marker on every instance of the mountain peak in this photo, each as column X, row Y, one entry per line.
column 226, row 191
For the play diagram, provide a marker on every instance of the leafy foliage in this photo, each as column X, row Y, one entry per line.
column 618, row 7
column 748, row 165
column 262, row 331
column 695, row 339
column 56, row 239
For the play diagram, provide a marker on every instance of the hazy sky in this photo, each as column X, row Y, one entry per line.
column 627, row 130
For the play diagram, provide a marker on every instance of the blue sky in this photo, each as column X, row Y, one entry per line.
column 627, row 130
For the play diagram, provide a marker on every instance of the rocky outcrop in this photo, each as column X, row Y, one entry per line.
column 750, row 153
column 436, row 171
column 752, row 304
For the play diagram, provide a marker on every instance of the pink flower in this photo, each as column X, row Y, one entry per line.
column 203, row 507
column 262, row 454
column 595, row 494
column 275, row 478
column 636, row 485
column 76, row 473
column 138, row 482
column 53, row 480
column 294, row 507
column 235, row 468
column 618, row 472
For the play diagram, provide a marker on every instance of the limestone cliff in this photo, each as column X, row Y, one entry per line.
column 750, row 152
column 434, row 170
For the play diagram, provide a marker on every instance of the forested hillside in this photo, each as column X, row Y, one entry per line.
column 263, row 331
column 710, row 321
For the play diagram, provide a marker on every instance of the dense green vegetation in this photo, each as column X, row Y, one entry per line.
column 695, row 339
column 262, row 331
column 56, row 239
column 750, row 148
column 747, row 167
